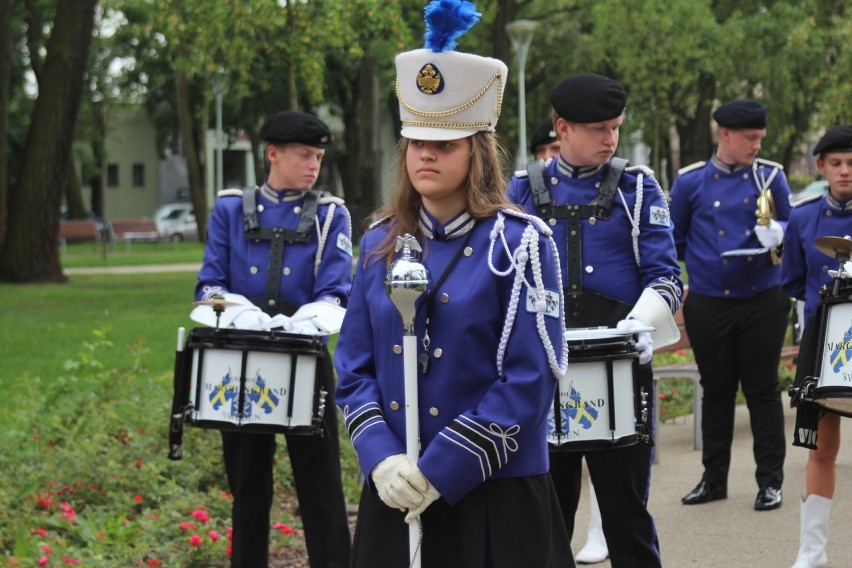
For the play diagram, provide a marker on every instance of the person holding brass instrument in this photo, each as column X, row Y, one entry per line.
column 729, row 216
column 804, row 274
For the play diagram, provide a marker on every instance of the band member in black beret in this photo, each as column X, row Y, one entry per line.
column 544, row 144
column 729, row 216
column 804, row 272
column 611, row 224
column 280, row 246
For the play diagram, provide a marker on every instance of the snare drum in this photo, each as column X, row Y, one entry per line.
column 255, row 381
column 833, row 361
column 599, row 403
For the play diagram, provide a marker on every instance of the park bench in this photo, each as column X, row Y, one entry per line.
column 141, row 229
column 689, row 370
column 77, row 231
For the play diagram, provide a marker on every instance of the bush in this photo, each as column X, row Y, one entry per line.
column 89, row 482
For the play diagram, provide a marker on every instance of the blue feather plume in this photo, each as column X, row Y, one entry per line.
column 446, row 20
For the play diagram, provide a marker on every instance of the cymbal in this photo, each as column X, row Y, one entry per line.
column 835, row 247
column 217, row 303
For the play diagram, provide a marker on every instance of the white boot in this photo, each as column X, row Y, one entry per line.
column 813, row 533
column 595, row 549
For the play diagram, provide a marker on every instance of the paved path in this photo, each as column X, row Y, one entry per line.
column 186, row 267
column 730, row 533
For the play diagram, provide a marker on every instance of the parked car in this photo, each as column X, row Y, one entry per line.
column 813, row 188
column 177, row 221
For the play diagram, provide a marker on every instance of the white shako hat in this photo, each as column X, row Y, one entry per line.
column 445, row 94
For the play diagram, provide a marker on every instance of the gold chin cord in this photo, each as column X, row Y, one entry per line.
column 765, row 212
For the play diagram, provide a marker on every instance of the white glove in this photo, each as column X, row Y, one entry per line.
column 644, row 343
column 255, row 320
column 772, row 236
column 399, row 483
column 429, row 496
column 305, row 327
column 280, row 320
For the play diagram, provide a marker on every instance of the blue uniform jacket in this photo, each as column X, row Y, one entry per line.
column 713, row 211
column 804, row 269
column 610, row 264
column 233, row 263
column 476, row 422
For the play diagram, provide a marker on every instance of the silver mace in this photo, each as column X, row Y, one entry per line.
column 407, row 279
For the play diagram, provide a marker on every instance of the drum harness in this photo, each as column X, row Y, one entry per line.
column 578, row 301
column 277, row 237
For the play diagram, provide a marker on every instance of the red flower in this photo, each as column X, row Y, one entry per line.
column 137, row 498
column 153, row 562
column 200, row 515
column 185, row 526
column 214, row 536
column 195, row 541
column 229, row 549
column 681, row 352
column 42, row 561
column 137, row 464
column 41, row 532
column 68, row 560
column 45, row 501
column 661, row 396
column 46, row 548
column 68, row 512
column 284, row 529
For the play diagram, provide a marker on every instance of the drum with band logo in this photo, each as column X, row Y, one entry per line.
column 248, row 381
column 599, row 403
column 833, row 357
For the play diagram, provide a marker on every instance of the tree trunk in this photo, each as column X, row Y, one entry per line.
column 696, row 139
column 96, row 179
column 31, row 252
column 5, row 74
column 190, row 152
column 72, row 190
column 369, row 149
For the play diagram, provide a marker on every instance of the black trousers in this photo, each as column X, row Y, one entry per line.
column 738, row 342
column 502, row 523
column 622, row 479
column 249, row 461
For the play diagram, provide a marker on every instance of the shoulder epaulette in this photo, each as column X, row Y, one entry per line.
column 769, row 163
column 691, row 167
column 808, row 199
column 326, row 198
column 378, row 222
column 531, row 219
column 230, row 193
column 521, row 173
column 640, row 168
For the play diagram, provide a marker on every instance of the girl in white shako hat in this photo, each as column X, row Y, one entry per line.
column 490, row 346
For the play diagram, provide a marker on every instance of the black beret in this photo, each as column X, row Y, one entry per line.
column 741, row 113
column 588, row 97
column 836, row 139
column 292, row 126
column 544, row 134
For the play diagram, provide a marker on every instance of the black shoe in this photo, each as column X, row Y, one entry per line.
column 768, row 498
column 704, row 493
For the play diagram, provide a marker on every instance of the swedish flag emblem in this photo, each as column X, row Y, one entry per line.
column 840, row 355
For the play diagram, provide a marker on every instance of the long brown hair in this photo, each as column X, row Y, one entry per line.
column 485, row 192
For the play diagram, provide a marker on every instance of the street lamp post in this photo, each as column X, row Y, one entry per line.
column 219, row 84
column 521, row 32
